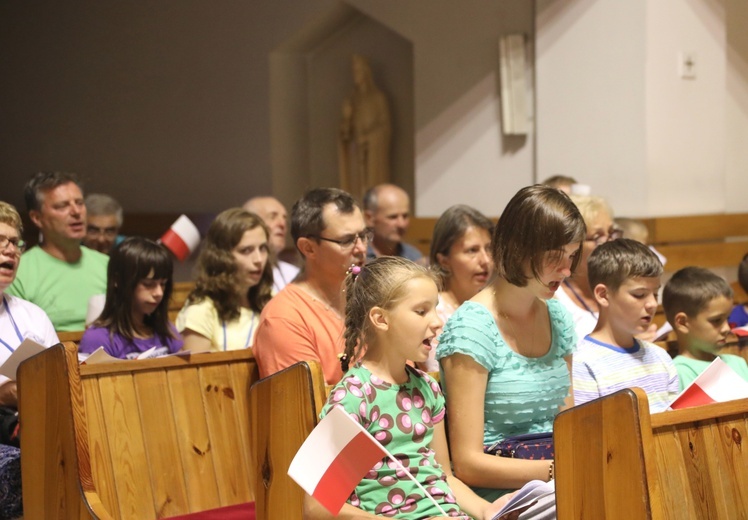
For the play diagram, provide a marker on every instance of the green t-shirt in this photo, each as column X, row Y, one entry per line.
column 689, row 369
column 61, row 289
column 401, row 418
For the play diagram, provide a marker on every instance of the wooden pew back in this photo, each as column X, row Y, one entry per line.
column 284, row 408
column 714, row 240
column 153, row 438
column 615, row 461
column 68, row 335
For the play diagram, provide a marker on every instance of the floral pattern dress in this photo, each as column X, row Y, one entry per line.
column 402, row 419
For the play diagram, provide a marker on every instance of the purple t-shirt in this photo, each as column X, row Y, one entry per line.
column 117, row 346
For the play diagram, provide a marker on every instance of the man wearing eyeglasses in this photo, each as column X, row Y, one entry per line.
column 59, row 275
column 305, row 320
column 387, row 213
column 103, row 221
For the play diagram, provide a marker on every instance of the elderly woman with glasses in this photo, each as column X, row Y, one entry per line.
column 576, row 293
column 19, row 320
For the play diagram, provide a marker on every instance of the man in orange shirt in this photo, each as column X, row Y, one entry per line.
column 305, row 320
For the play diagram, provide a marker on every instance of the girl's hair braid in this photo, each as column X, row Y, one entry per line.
column 378, row 284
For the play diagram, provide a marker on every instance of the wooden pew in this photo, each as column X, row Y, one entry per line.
column 616, row 461
column 134, row 439
column 739, row 295
column 70, row 335
column 284, row 408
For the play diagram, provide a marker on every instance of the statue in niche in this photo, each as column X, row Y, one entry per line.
column 365, row 134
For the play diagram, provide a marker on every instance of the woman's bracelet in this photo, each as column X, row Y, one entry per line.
column 552, row 471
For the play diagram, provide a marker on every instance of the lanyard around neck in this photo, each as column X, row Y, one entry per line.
column 249, row 335
column 579, row 298
column 18, row 332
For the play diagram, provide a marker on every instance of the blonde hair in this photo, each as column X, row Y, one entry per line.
column 378, row 284
column 9, row 215
column 633, row 229
column 590, row 206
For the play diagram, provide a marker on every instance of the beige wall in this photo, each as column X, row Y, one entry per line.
column 686, row 117
column 615, row 113
column 461, row 155
column 736, row 107
column 167, row 104
column 591, row 97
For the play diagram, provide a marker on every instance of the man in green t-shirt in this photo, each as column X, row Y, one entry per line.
column 59, row 275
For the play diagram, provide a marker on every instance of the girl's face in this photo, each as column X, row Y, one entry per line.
column 148, row 295
column 554, row 272
column 251, row 255
column 412, row 324
column 468, row 262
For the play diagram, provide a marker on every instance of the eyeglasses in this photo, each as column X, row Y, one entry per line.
column 349, row 241
column 110, row 232
column 601, row 237
column 19, row 244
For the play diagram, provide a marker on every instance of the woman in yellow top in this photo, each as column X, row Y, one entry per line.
column 234, row 282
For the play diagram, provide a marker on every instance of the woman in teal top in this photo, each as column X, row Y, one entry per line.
column 506, row 354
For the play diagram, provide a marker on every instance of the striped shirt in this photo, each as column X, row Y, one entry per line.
column 601, row 369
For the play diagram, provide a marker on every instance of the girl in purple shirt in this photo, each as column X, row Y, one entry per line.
column 135, row 316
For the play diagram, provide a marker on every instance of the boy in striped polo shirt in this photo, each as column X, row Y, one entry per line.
column 625, row 277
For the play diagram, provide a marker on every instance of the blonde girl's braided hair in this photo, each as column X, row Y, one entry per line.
column 378, row 284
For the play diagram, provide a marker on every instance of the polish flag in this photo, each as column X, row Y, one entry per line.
column 334, row 459
column 716, row 384
column 182, row 238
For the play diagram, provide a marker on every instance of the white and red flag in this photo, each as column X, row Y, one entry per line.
column 334, row 459
column 716, row 384
column 182, row 238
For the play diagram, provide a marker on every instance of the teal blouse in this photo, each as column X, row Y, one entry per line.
column 523, row 395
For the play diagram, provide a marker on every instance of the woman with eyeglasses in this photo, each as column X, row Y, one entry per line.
column 234, row 282
column 576, row 293
column 19, row 320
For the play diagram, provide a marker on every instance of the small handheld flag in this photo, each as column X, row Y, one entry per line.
column 182, row 238
column 716, row 384
column 334, row 459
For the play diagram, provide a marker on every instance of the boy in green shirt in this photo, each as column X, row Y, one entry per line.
column 697, row 304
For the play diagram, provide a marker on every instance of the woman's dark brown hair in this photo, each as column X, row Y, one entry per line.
column 537, row 221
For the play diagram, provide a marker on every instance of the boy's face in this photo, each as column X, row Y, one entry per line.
column 631, row 308
column 706, row 332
